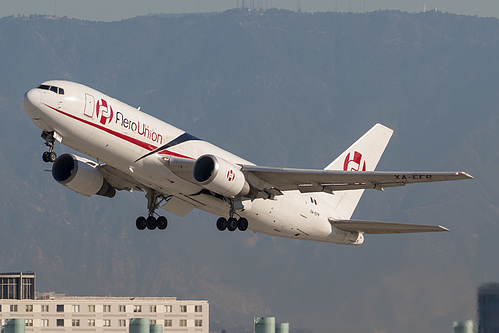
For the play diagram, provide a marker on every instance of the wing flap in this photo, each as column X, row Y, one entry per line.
column 178, row 206
column 374, row 227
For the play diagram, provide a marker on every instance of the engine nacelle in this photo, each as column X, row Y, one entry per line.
column 217, row 175
column 81, row 175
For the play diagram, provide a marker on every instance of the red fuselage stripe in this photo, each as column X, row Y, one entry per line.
column 134, row 141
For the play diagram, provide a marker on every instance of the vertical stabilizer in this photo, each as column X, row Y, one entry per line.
column 363, row 155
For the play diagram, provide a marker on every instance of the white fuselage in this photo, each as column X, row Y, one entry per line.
column 118, row 135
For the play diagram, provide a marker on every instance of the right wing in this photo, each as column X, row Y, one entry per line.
column 270, row 180
column 352, row 170
column 374, row 227
column 305, row 180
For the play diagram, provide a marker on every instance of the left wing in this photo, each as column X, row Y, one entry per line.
column 304, row 180
column 118, row 179
column 374, row 227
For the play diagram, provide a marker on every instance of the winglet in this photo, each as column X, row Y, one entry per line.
column 465, row 175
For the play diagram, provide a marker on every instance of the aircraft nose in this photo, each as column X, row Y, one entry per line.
column 32, row 99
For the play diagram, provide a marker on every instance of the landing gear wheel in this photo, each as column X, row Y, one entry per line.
column 162, row 223
column 140, row 223
column 46, row 157
column 49, row 156
column 242, row 224
column 52, row 156
column 151, row 223
column 221, row 224
column 232, row 224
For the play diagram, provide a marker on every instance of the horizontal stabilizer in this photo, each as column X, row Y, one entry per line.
column 374, row 227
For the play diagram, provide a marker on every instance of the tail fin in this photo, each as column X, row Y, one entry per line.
column 363, row 155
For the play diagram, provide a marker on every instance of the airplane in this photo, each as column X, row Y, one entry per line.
column 179, row 172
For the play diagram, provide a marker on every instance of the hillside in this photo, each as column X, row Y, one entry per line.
column 278, row 88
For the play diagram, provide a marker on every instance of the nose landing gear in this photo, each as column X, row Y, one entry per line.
column 50, row 155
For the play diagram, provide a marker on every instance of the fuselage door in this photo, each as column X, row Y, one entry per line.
column 89, row 105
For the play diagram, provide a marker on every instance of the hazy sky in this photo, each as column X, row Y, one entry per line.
column 110, row 10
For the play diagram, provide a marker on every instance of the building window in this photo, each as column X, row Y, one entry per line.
column 198, row 323
column 168, row 308
column 13, row 308
column 198, row 308
column 168, row 323
column 182, row 323
column 45, row 323
column 29, row 308
column 75, row 308
column 0, row 307
column 122, row 322
column 28, row 288
column 91, row 308
column 152, row 308
column 152, row 321
column 60, row 322
column 137, row 308
column 107, row 322
column 91, row 322
column 183, row 308
column 8, row 288
column 45, row 308
column 20, row 286
column 60, row 307
column 75, row 322
column 28, row 322
column 107, row 308
column 122, row 308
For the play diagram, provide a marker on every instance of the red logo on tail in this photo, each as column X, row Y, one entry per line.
column 354, row 162
column 104, row 112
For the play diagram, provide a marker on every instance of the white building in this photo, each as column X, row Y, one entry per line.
column 55, row 313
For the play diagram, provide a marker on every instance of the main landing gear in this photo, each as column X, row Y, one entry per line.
column 50, row 155
column 232, row 223
column 154, row 199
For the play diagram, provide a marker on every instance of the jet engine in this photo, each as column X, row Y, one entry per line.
column 222, row 177
column 81, row 175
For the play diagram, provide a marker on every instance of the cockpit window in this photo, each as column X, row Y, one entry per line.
column 55, row 89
